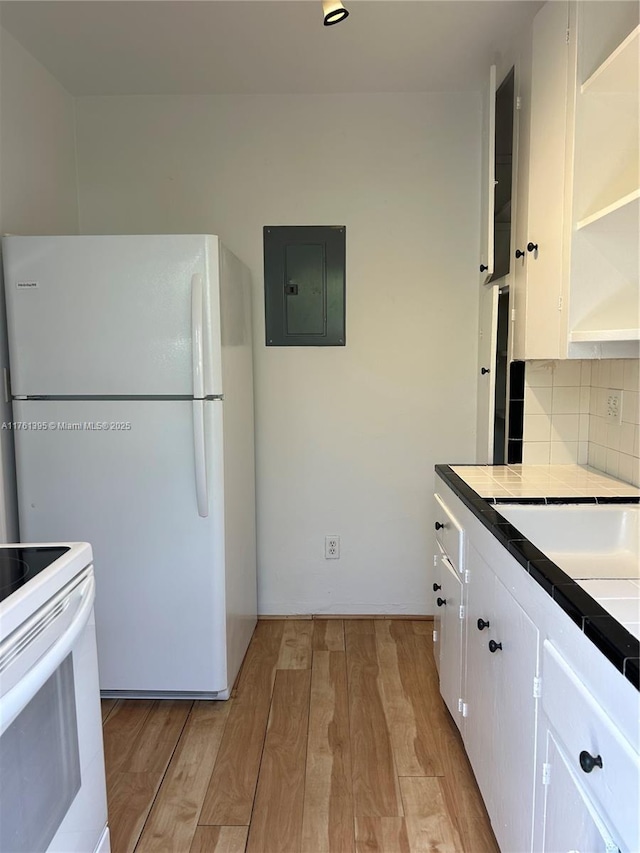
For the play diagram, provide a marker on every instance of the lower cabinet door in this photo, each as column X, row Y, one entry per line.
column 449, row 604
column 480, row 688
column 516, row 665
column 571, row 824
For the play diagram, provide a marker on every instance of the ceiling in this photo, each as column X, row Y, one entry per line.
column 264, row 46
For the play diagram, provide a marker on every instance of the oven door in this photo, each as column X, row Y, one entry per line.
column 52, row 781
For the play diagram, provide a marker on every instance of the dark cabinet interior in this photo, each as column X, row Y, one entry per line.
column 503, row 176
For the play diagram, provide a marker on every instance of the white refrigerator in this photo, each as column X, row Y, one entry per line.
column 132, row 385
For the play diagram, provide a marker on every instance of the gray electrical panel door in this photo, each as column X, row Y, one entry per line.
column 304, row 285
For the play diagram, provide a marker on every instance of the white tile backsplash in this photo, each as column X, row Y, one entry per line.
column 585, row 399
column 537, row 428
column 567, row 374
column 565, row 415
column 631, row 380
column 537, row 400
column 565, row 400
column 631, row 407
column 583, row 429
column 565, row 427
column 627, row 438
column 539, row 374
column 612, row 462
column 629, row 468
column 612, row 440
column 564, row 452
column 617, row 373
column 536, row 452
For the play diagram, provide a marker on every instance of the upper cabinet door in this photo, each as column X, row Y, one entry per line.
column 547, row 170
column 487, row 188
column 487, row 345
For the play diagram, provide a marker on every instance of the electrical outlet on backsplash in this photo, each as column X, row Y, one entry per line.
column 586, row 412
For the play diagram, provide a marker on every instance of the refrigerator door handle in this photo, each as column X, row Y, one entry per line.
column 199, row 447
column 197, row 334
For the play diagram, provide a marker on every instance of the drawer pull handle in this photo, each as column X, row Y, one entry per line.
column 440, row 601
column 436, row 587
column 439, row 526
column 482, row 624
column 493, row 646
column 588, row 762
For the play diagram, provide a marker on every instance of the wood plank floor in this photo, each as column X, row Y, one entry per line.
column 336, row 740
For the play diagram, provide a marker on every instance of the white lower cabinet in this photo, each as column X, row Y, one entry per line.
column 449, row 603
column 570, row 823
column 549, row 726
column 478, row 692
column 500, row 703
column 448, row 595
column 583, row 742
column 516, row 691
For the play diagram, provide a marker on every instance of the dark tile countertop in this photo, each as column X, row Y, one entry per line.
column 604, row 630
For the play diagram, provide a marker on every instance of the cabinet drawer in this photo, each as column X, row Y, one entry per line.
column 583, row 726
column 449, row 534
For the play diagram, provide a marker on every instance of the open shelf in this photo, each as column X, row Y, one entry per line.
column 616, row 319
column 619, row 71
column 595, row 336
column 620, row 215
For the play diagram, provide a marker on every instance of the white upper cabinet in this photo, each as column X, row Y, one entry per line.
column 540, row 213
column 488, row 178
column 576, row 282
column 604, row 308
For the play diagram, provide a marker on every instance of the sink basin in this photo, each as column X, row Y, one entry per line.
column 600, row 541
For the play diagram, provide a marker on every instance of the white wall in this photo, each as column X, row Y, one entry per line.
column 346, row 438
column 38, row 188
column 38, row 195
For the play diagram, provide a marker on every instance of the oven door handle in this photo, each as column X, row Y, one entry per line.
column 16, row 699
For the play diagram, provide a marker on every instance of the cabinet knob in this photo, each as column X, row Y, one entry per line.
column 440, row 601
column 532, row 247
column 439, row 526
column 588, row 762
column 483, row 267
column 436, row 587
column 482, row 624
column 519, row 253
column 485, row 370
column 493, row 646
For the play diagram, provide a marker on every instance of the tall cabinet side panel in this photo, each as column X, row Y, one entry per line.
column 239, row 456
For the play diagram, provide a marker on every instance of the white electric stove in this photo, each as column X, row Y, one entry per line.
column 52, row 779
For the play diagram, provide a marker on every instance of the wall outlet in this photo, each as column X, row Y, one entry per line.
column 332, row 547
column 614, row 406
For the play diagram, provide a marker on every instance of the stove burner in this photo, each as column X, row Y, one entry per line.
column 13, row 573
column 18, row 566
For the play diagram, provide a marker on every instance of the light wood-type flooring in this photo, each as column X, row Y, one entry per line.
column 336, row 740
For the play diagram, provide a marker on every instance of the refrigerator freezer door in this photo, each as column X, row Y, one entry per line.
column 113, row 316
column 131, row 493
